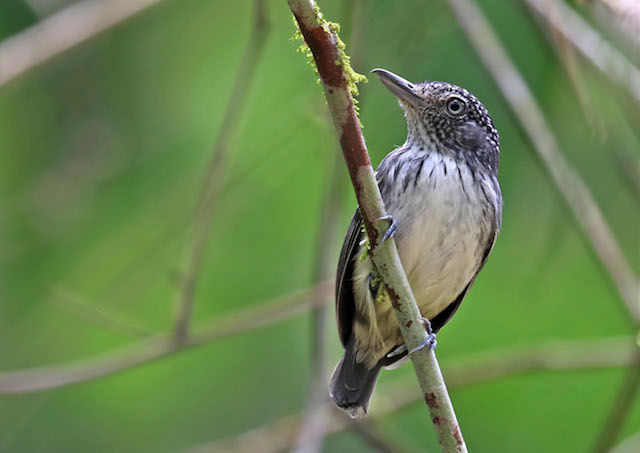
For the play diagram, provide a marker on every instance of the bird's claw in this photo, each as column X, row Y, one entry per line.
column 426, row 323
column 430, row 342
column 391, row 226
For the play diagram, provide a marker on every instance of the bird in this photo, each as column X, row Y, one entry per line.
column 441, row 191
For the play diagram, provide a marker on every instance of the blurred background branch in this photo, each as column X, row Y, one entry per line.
column 462, row 372
column 263, row 314
column 626, row 14
column 630, row 445
column 63, row 31
column 567, row 55
column 624, row 400
column 97, row 315
column 373, row 436
column 591, row 45
column 311, row 434
column 216, row 170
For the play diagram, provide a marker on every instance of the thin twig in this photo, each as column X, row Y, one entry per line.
column 214, row 177
column 591, row 45
column 96, row 315
column 565, row 178
column 63, row 31
column 619, row 411
column 462, row 372
column 262, row 315
column 337, row 80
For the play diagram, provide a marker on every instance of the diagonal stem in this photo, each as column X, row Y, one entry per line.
column 310, row 436
column 338, row 82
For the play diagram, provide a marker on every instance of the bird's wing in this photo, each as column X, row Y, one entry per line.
column 345, row 304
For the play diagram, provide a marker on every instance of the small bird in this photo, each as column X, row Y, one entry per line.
column 441, row 189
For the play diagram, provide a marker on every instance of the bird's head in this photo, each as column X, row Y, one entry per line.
column 444, row 116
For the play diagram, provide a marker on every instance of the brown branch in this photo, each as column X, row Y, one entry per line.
column 589, row 43
column 338, row 82
column 214, row 177
column 463, row 372
column 63, row 31
column 159, row 346
column 564, row 177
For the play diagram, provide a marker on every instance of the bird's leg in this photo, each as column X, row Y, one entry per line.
column 430, row 341
column 391, row 226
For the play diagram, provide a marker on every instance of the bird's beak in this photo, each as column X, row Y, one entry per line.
column 402, row 88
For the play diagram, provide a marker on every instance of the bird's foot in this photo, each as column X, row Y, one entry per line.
column 430, row 342
column 391, row 227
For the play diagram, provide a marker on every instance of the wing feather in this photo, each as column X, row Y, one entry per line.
column 345, row 304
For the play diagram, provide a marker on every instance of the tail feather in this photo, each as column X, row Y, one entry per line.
column 352, row 383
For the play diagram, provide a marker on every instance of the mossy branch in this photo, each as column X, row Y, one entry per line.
column 337, row 80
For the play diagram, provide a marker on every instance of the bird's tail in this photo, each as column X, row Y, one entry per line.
column 352, row 383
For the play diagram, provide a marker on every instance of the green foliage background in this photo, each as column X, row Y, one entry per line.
column 101, row 156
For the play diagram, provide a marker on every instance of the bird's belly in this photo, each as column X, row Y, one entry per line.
column 440, row 261
column 444, row 224
column 443, row 229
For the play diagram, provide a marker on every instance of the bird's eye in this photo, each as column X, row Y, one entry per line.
column 455, row 106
